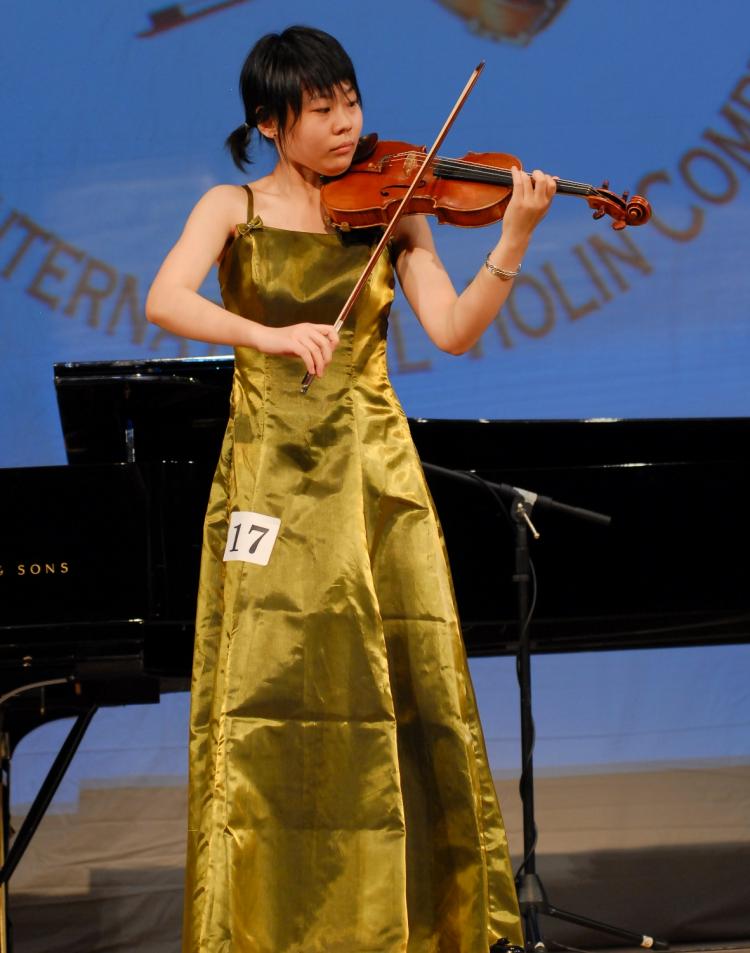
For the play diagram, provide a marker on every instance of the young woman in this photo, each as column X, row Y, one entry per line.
column 340, row 796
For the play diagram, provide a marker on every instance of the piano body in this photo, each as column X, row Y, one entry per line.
column 99, row 559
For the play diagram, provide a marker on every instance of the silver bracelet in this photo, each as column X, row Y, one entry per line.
column 500, row 272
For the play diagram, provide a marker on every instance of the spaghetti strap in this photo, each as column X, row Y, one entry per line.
column 249, row 202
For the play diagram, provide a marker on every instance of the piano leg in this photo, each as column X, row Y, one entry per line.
column 11, row 857
column 46, row 793
column 4, row 834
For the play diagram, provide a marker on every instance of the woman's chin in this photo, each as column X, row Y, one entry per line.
column 336, row 164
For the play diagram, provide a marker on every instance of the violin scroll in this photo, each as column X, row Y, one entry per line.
column 623, row 209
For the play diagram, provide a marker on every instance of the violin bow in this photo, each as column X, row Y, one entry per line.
column 357, row 290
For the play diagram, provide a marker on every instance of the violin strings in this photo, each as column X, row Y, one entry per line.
column 490, row 170
column 479, row 172
column 488, row 173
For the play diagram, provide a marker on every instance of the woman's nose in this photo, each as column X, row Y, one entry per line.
column 342, row 119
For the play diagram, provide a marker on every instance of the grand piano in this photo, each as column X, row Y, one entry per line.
column 99, row 559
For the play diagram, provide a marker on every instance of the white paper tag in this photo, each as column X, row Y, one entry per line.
column 251, row 537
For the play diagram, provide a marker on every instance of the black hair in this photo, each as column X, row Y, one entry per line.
column 279, row 69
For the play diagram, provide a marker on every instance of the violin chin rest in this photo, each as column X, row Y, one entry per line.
column 365, row 147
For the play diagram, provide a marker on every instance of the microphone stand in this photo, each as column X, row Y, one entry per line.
column 532, row 897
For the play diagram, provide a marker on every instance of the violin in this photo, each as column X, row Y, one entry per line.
column 390, row 179
column 472, row 191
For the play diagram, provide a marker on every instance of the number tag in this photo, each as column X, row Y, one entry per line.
column 251, row 537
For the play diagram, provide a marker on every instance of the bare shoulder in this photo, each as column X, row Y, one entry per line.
column 223, row 204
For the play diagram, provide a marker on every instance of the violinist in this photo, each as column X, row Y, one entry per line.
column 340, row 797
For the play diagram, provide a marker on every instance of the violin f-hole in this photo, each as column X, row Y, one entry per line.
column 397, row 185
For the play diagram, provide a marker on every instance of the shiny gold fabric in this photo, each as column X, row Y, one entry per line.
column 340, row 798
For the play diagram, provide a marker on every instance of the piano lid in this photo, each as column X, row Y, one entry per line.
column 664, row 573
column 143, row 411
column 176, row 410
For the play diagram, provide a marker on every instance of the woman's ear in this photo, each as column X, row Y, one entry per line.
column 267, row 127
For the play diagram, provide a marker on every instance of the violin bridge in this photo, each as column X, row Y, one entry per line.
column 411, row 163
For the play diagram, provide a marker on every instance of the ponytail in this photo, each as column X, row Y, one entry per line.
column 238, row 143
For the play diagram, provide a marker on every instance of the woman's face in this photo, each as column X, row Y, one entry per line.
column 325, row 134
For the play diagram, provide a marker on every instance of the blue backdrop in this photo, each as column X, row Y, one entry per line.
column 111, row 136
column 114, row 117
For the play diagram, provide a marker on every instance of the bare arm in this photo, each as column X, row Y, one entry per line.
column 173, row 301
column 456, row 322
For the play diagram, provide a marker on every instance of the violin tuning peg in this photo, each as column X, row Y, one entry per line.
column 605, row 184
column 599, row 213
column 625, row 196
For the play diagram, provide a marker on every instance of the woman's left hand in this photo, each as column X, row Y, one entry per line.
column 528, row 204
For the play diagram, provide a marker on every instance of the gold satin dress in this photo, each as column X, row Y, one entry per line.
column 340, row 799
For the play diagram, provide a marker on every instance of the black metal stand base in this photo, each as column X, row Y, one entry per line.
column 532, row 900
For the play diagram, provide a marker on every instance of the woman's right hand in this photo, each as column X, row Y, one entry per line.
column 174, row 301
column 313, row 343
